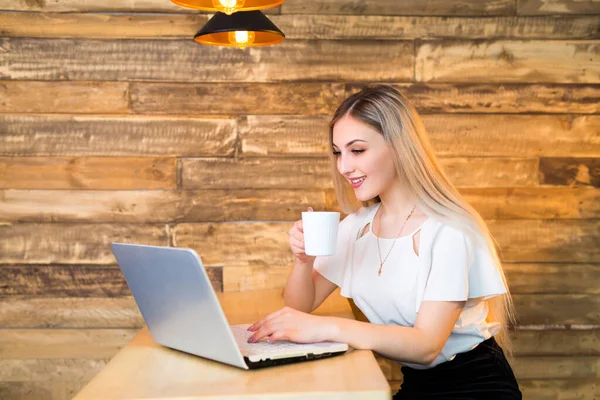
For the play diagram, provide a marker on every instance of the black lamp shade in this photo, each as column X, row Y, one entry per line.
column 217, row 30
column 207, row 5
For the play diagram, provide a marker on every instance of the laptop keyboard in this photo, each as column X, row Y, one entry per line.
column 282, row 350
column 263, row 347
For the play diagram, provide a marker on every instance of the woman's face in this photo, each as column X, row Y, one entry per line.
column 363, row 158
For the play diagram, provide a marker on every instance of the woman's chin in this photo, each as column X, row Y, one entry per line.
column 363, row 196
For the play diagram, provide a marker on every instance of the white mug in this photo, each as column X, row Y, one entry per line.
column 320, row 232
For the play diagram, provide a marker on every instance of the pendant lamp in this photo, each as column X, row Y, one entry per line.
column 241, row 29
column 228, row 6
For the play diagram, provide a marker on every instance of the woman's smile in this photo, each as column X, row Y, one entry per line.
column 357, row 182
column 361, row 152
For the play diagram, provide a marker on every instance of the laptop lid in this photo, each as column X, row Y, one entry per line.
column 177, row 301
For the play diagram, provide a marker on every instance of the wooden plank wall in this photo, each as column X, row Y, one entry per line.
column 116, row 126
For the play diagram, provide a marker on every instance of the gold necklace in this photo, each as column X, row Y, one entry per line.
column 394, row 242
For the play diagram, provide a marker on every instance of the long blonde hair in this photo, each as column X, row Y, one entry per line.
column 390, row 113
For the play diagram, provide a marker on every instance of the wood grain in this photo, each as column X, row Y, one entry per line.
column 475, row 172
column 549, row 389
column 62, row 281
column 96, row 206
column 104, row 26
column 275, row 135
column 55, row 369
column 62, row 343
column 508, row 61
column 264, row 173
column 74, row 281
column 115, row 126
column 40, row 390
column 64, row 135
column 111, row 97
column 254, row 276
column 71, row 313
column 524, row 241
column 63, row 97
column 321, row 26
column 96, row 313
column 451, row 135
column 531, row 365
column 564, row 342
column 557, row 367
column 308, row 26
column 265, row 243
column 549, row 385
column 87, row 173
column 391, row 7
column 69, row 369
column 84, row 6
column 548, row 240
column 91, row 6
column 527, row 368
column 535, row 203
column 553, row 278
column 499, row 98
column 315, row 173
column 257, row 243
column 514, row 136
column 219, row 205
column 390, row 369
column 31, row 243
column 570, row 171
column 107, row 281
column 159, row 205
column 522, row 278
column 104, row 343
column 562, row 309
column 538, row 7
column 229, row 98
column 186, row 61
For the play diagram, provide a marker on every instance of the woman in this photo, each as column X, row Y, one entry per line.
column 416, row 259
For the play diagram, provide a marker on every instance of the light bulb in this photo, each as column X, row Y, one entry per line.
column 228, row 6
column 241, row 39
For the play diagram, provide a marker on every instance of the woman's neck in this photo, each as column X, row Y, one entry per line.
column 395, row 203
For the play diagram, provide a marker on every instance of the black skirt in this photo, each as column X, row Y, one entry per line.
column 482, row 373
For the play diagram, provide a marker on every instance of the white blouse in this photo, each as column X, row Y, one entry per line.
column 449, row 267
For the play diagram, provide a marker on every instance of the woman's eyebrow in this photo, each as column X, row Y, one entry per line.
column 351, row 142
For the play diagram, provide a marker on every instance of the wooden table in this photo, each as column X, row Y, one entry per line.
column 146, row 370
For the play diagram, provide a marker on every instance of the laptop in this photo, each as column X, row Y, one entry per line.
column 181, row 310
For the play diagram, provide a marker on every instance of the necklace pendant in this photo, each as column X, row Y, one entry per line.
column 382, row 261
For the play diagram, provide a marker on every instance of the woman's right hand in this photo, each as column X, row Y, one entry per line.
column 296, row 240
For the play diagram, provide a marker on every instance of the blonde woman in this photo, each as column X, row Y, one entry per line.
column 416, row 259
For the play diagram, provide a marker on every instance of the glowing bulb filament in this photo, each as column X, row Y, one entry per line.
column 228, row 6
column 241, row 39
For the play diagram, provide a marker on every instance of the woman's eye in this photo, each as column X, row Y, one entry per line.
column 356, row 151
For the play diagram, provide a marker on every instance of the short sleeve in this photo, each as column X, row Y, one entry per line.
column 336, row 268
column 484, row 278
column 460, row 269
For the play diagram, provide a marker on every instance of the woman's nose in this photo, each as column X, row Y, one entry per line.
column 344, row 165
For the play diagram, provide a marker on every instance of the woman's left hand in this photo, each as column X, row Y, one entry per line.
column 292, row 325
